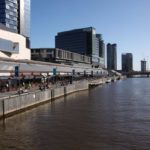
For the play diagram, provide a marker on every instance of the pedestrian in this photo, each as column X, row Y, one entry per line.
column 29, row 86
column 7, row 86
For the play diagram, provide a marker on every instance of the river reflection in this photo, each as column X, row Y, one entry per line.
column 115, row 116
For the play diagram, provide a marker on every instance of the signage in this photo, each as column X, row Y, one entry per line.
column 16, row 71
column 54, row 71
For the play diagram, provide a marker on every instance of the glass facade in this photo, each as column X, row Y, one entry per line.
column 143, row 65
column 83, row 41
column 24, row 17
column 127, row 62
column 112, row 56
column 15, row 14
column 9, row 14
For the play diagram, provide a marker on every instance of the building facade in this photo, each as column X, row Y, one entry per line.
column 13, row 45
column 58, row 56
column 15, row 15
column 15, row 29
column 127, row 62
column 143, row 65
column 111, row 56
column 84, row 41
column 101, row 48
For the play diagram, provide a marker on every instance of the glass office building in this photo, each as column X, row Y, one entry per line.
column 101, row 48
column 143, row 65
column 127, row 62
column 15, row 14
column 83, row 41
column 111, row 56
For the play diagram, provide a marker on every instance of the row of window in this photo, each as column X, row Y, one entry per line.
column 61, row 54
column 13, row 13
column 42, row 50
column 11, row 17
column 12, row 1
column 11, row 27
column 11, row 22
column 14, row 5
column 13, row 9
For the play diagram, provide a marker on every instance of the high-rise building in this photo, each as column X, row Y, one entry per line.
column 83, row 41
column 143, row 65
column 111, row 56
column 15, row 15
column 127, row 62
column 101, row 48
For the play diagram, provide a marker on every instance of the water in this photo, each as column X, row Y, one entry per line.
column 115, row 116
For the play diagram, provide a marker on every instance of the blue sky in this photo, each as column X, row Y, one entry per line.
column 125, row 22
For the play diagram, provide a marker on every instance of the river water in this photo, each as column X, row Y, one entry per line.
column 114, row 116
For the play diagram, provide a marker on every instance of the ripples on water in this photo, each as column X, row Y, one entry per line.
column 115, row 116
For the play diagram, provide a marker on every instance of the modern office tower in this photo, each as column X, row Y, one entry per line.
column 143, row 65
column 111, row 56
column 101, row 48
column 15, row 15
column 127, row 62
column 83, row 41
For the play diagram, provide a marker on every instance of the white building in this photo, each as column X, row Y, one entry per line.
column 13, row 45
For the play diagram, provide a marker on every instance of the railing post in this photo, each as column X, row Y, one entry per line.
column 65, row 90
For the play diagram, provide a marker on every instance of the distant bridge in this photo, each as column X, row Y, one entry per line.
column 132, row 73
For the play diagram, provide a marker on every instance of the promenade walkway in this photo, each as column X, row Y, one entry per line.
column 42, row 86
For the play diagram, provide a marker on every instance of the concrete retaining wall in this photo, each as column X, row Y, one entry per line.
column 1, row 108
column 81, row 86
column 57, row 92
column 69, row 89
column 16, row 103
column 20, row 102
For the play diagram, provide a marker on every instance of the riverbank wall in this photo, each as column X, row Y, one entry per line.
column 17, row 103
column 13, row 104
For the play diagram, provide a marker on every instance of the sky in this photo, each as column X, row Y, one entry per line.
column 124, row 22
